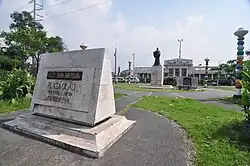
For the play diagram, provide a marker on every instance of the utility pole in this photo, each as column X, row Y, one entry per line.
column 133, row 64
column 34, row 11
column 180, row 40
column 36, row 7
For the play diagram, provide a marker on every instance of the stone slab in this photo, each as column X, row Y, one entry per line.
column 75, row 86
column 157, row 75
column 90, row 141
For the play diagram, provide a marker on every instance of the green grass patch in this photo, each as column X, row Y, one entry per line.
column 135, row 87
column 118, row 95
column 213, row 129
column 20, row 104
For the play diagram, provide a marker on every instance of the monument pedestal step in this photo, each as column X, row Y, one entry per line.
column 90, row 141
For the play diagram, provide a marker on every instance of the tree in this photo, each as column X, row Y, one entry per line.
column 28, row 39
column 228, row 68
column 24, row 20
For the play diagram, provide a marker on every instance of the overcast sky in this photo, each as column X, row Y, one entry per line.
column 139, row 26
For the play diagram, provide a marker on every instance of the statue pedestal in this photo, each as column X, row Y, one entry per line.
column 157, row 75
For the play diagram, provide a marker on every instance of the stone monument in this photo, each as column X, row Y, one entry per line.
column 187, row 83
column 73, row 103
column 157, row 70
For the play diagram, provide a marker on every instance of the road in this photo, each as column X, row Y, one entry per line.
column 203, row 95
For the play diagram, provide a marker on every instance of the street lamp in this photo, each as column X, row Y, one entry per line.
column 206, row 71
column 240, row 33
column 83, row 46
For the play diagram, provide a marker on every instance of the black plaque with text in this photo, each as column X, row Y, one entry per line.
column 65, row 75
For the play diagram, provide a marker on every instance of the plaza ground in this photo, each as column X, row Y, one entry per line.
column 154, row 140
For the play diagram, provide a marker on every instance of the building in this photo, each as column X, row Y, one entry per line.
column 173, row 68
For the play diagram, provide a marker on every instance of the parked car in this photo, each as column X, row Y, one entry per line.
column 120, row 79
column 214, row 83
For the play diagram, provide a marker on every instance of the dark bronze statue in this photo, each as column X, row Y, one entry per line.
column 157, row 55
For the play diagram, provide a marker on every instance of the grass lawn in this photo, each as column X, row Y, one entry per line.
column 213, row 129
column 135, row 87
column 118, row 95
column 231, row 88
column 20, row 104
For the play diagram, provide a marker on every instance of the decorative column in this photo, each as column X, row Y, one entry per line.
column 240, row 33
column 206, row 71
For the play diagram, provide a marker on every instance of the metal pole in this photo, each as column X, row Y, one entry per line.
column 34, row 20
column 180, row 74
column 180, row 49
column 133, row 64
column 34, row 11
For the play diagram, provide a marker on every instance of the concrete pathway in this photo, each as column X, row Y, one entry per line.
column 152, row 141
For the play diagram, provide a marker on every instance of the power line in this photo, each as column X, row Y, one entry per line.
column 73, row 11
column 60, row 3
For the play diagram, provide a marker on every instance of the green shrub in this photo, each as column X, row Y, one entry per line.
column 8, row 64
column 246, row 88
column 16, row 84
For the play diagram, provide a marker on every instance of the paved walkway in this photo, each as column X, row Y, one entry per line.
column 152, row 141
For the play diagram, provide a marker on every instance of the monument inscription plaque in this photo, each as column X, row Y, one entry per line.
column 75, row 87
column 64, row 75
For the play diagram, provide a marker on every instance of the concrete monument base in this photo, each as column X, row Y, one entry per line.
column 157, row 76
column 90, row 141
